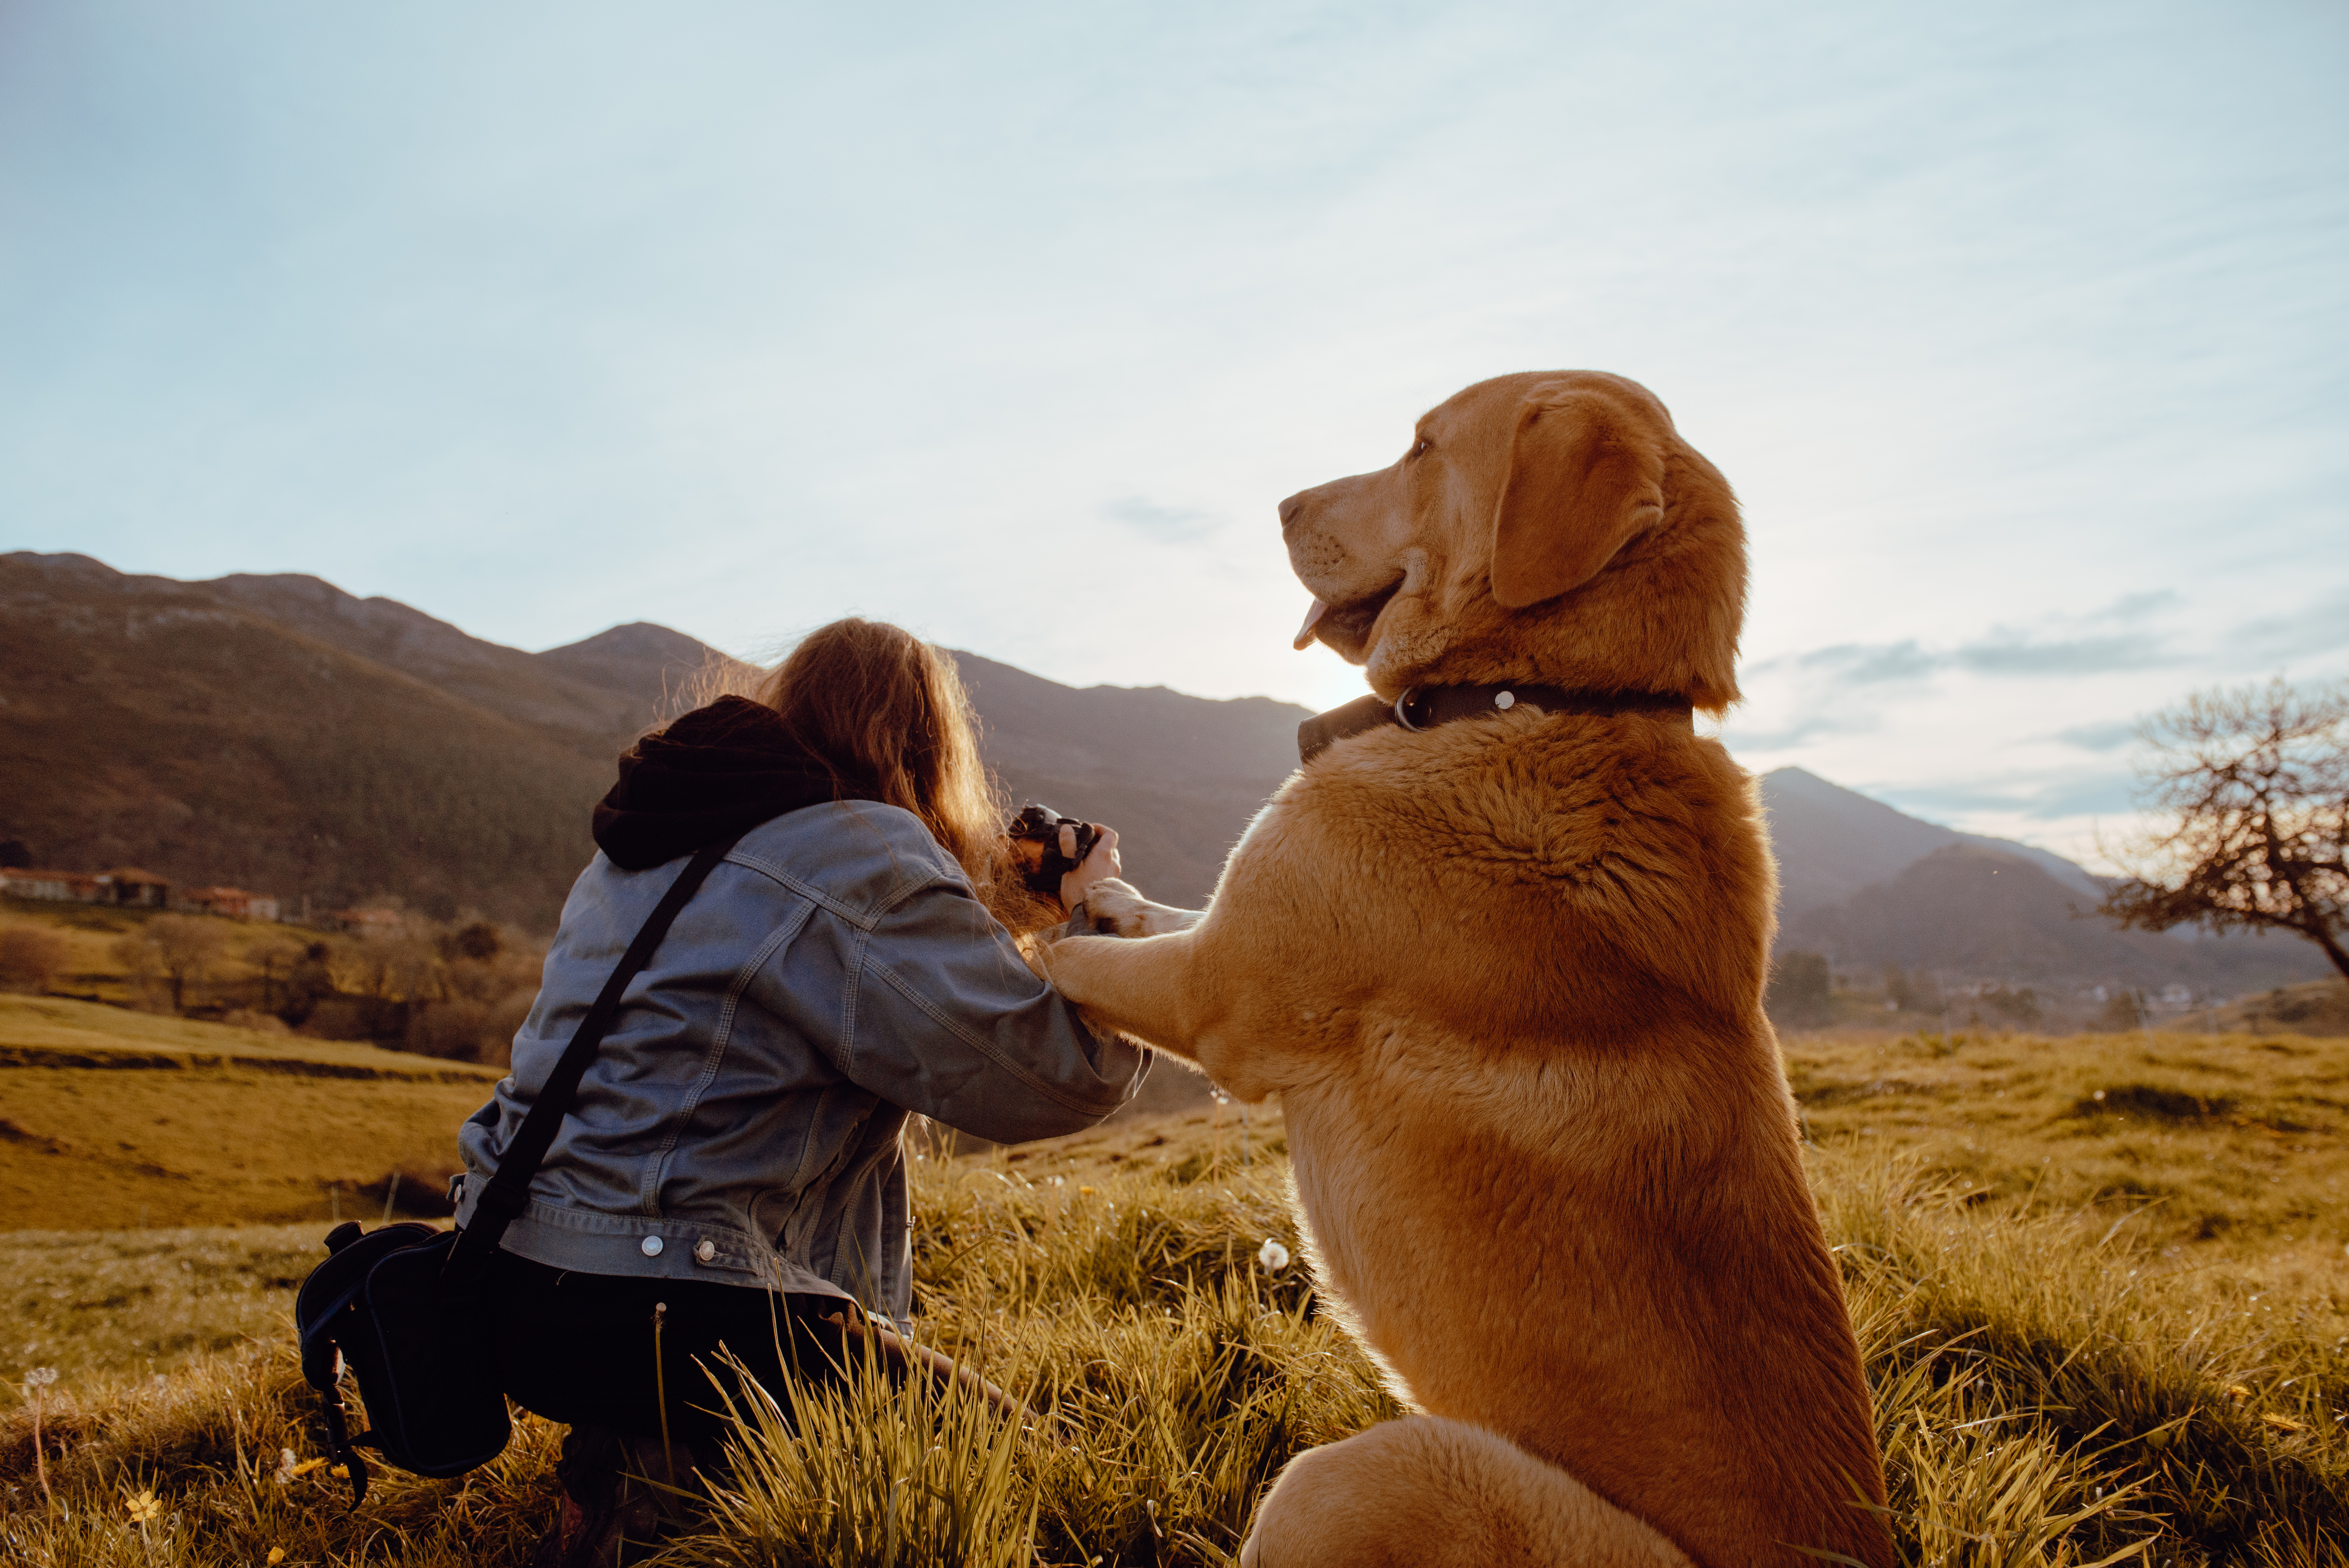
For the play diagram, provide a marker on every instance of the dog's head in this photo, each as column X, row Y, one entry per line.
column 1550, row 526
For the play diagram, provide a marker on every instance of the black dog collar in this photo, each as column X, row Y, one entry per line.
column 1425, row 709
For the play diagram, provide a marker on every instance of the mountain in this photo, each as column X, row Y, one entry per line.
column 1832, row 843
column 654, row 667
column 1868, row 886
column 1971, row 915
column 589, row 696
column 1178, row 777
column 279, row 734
column 175, row 726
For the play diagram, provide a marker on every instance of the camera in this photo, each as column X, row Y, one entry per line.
column 1035, row 835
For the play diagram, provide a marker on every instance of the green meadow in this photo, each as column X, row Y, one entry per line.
column 2102, row 1285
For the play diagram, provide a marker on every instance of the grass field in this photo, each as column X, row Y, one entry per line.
column 2094, row 1326
column 94, row 969
column 110, row 1119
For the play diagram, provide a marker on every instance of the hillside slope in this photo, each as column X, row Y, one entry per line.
column 150, row 723
column 1832, row 841
column 276, row 733
column 573, row 695
column 1977, row 915
column 1178, row 777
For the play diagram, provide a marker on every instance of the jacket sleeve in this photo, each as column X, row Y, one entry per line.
column 944, row 1018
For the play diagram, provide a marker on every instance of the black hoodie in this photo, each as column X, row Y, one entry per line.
column 715, row 773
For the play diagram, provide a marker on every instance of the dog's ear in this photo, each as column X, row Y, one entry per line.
column 1586, row 473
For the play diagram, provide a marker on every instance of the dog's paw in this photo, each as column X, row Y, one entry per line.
column 1115, row 908
column 1112, row 908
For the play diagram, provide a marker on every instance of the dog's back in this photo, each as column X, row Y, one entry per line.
column 1506, row 976
column 1553, row 1179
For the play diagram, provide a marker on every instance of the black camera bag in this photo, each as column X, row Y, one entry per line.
column 401, row 1309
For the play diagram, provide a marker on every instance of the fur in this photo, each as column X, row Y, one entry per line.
column 1507, row 978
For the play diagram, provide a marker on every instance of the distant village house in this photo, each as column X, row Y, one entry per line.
column 233, row 901
column 127, row 887
column 135, row 889
column 59, row 887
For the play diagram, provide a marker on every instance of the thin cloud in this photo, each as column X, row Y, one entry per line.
column 1861, row 664
column 2003, row 653
column 1812, row 726
column 1166, row 524
column 2107, row 736
column 2136, row 606
column 2077, row 797
column 2037, row 799
column 2012, row 656
column 2319, row 628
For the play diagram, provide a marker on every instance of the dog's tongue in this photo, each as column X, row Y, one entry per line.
column 1305, row 632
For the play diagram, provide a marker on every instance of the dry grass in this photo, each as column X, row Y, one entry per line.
column 66, row 1031
column 93, row 970
column 2221, row 1153
column 113, row 1118
column 2052, row 1386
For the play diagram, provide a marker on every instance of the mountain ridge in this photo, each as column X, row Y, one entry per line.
column 1871, row 840
column 275, row 731
column 98, row 775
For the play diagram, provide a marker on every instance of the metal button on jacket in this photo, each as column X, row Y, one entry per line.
column 705, row 1250
column 651, row 1247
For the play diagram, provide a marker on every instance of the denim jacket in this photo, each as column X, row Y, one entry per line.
column 741, row 1121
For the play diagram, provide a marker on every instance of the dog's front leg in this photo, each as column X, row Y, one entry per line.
column 1115, row 908
column 1140, row 986
column 1246, row 988
column 1168, row 992
column 1200, row 993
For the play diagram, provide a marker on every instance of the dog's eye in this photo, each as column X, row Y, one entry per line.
column 1419, row 449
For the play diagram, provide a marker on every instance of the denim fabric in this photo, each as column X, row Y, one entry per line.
column 743, row 1119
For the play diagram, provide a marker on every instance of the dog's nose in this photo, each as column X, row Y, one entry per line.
column 1290, row 509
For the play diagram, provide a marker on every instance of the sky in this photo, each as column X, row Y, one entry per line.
column 2019, row 328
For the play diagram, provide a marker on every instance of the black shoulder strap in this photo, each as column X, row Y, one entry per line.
column 509, row 1190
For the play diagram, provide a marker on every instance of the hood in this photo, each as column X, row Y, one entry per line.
column 712, row 774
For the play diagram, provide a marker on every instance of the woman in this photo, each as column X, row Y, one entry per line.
column 731, row 1162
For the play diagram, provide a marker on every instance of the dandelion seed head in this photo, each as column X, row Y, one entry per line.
column 1272, row 1256
column 41, row 1376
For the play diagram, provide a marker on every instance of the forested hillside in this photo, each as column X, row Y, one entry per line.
column 159, row 723
column 278, row 734
column 1177, row 776
column 1975, row 914
column 1875, row 890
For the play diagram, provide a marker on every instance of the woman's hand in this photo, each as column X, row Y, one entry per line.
column 1101, row 863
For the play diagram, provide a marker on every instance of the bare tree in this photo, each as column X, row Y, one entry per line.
column 2253, row 783
column 30, row 958
column 187, row 947
column 274, row 957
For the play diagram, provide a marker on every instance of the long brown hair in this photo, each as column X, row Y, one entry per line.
column 887, row 713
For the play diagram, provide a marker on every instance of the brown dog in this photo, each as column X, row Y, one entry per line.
column 1507, row 976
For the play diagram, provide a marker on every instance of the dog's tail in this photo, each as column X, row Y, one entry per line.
column 1426, row 1493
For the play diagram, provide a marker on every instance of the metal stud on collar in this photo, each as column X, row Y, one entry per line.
column 1506, row 701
